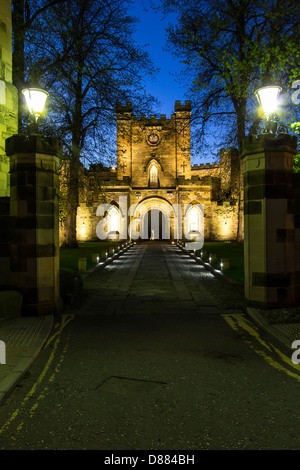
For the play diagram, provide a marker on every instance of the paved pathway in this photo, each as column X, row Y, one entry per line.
column 151, row 362
column 150, row 278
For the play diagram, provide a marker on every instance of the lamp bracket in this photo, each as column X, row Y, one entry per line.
column 271, row 126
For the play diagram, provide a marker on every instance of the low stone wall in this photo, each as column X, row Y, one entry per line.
column 221, row 221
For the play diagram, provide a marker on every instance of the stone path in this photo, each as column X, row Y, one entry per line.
column 149, row 278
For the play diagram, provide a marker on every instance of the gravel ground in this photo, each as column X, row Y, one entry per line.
column 232, row 296
column 281, row 315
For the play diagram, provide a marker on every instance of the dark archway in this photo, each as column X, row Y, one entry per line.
column 154, row 225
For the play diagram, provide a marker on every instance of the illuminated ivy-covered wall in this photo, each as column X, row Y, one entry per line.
column 8, row 94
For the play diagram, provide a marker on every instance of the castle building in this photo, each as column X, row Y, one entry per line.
column 154, row 191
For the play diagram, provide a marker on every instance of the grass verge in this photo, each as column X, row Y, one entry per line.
column 69, row 257
column 233, row 252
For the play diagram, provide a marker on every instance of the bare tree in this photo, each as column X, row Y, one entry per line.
column 84, row 53
column 24, row 14
column 227, row 47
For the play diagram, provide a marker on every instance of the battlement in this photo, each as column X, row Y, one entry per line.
column 105, row 176
column 127, row 110
column 183, row 107
column 205, row 166
column 207, row 180
column 153, row 120
column 113, row 181
column 120, row 109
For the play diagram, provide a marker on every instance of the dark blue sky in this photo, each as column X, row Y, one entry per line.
column 151, row 31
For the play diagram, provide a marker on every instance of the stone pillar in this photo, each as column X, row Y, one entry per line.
column 296, row 185
column 269, row 219
column 34, row 222
column 5, row 236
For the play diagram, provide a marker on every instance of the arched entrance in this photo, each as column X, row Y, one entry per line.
column 152, row 219
column 154, row 225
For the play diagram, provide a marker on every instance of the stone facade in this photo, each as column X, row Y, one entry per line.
column 8, row 127
column 154, row 171
column 8, row 94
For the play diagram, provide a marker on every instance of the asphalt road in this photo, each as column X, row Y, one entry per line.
column 153, row 361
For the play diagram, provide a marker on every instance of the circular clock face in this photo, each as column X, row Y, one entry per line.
column 153, row 139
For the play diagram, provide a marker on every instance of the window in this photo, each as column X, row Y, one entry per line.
column 114, row 220
column 194, row 220
column 153, row 175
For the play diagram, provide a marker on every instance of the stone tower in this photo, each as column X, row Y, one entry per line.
column 183, row 138
column 8, row 94
column 140, row 142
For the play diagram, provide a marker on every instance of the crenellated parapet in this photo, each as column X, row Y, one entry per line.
column 187, row 107
column 123, row 110
column 206, row 166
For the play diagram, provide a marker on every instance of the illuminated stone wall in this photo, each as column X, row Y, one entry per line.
column 141, row 141
column 222, row 221
column 8, row 94
column 206, row 169
column 8, row 127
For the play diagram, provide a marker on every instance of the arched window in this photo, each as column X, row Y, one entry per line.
column 114, row 220
column 153, row 175
column 193, row 220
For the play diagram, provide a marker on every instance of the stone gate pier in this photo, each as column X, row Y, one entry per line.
column 272, row 229
column 34, row 247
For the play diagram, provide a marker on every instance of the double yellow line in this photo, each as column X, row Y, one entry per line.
column 56, row 337
column 238, row 322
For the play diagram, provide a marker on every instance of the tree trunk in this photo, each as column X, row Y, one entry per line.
column 241, row 113
column 70, row 240
column 240, row 232
column 73, row 190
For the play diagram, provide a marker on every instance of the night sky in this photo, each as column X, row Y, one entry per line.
column 151, row 31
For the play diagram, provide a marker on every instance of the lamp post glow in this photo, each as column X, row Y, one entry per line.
column 35, row 100
column 267, row 98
